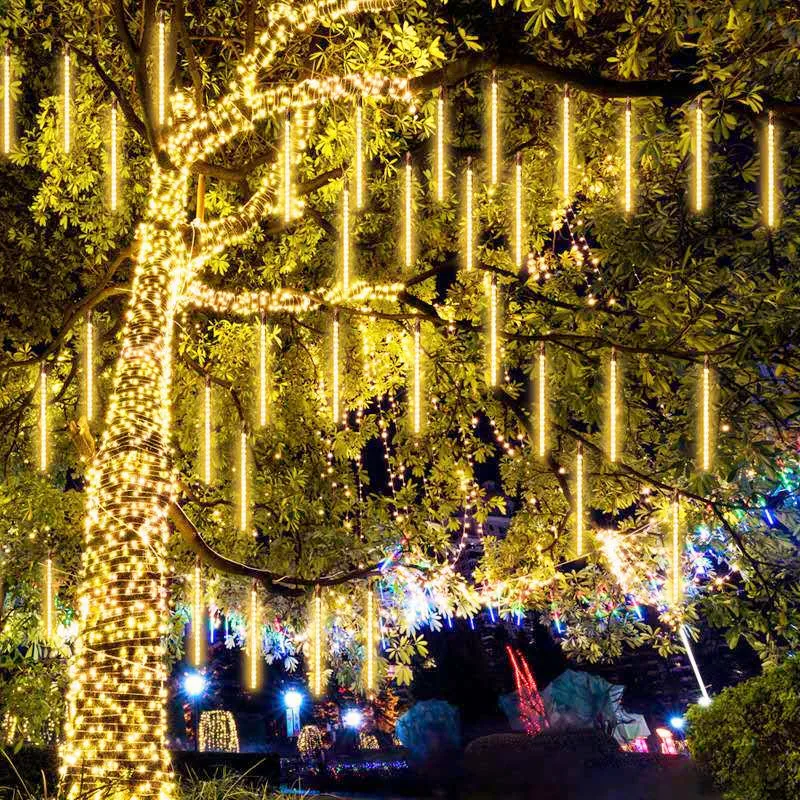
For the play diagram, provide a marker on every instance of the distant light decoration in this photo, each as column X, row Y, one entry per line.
column 705, row 416
column 346, row 239
column 243, row 498
column 359, row 178
column 565, row 149
column 197, row 616
column 263, row 371
column 494, row 354
column 207, row 443
column 542, row 402
column 113, row 158
column 67, row 99
column 217, row 732
column 253, row 642
column 494, row 133
column 287, row 168
column 369, row 683
column 7, row 99
column 612, row 407
column 705, row 699
column 417, row 385
column 194, row 684
column 469, row 232
column 292, row 699
column 316, row 676
column 518, row 235
column 49, row 601
column 771, row 205
column 677, row 723
column 440, row 145
column 43, row 449
column 88, row 367
column 628, row 158
column 335, row 400
column 162, row 71
column 353, row 718
column 676, row 577
column 407, row 217
column 699, row 176
column 579, row 502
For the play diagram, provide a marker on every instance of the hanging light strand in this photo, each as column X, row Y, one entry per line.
column 263, row 378
column 494, row 114
column 698, row 157
column 542, row 404
column 370, row 643
column 89, row 367
column 565, row 149
column 518, row 252
column 49, row 600
column 197, row 616
column 43, row 454
column 287, row 167
column 469, row 233
column 253, row 660
column 494, row 357
column 771, row 204
column 346, row 238
column 243, row 499
column 676, row 583
column 612, row 407
column 317, row 633
column 7, row 99
column 162, row 71
column 408, row 196
column 705, row 420
column 335, row 359
column 113, row 157
column 440, row 145
column 67, row 100
column 417, row 389
column 359, row 154
column 207, row 430
column 628, row 158
column 579, row 501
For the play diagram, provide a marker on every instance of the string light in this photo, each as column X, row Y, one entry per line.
column 253, row 643
column 287, row 167
column 207, row 430
column 408, row 201
column 316, row 678
column 698, row 157
column 771, row 204
column 494, row 143
column 565, row 154
column 518, row 209
column 89, row 367
column 440, row 145
column 49, row 603
column 43, row 454
column 494, row 366
column 676, row 551
column 542, row 404
column 67, row 95
column 359, row 154
column 417, row 393
column 612, row 407
column 113, row 157
column 335, row 348
column 346, row 239
column 197, row 617
column 628, row 159
column 243, row 499
column 370, row 644
column 162, row 71
column 705, row 699
column 579, row 501
column 706, row 416
column 7, row 99
column 469, row 234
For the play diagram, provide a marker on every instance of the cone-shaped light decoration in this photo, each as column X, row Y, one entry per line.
column 346, row 238
column 113, row 160
column 579, row 502
column 417, row 388
column 542, row 402
column 494, row 354
column 494, row 131
column 440, row 146
column 207, row 431
column 287, row 167
column 67, row 110
column 43, row 450
column 263, row 378
column 771, row 200
column 407, row 201
column 7, row 99
column 197, row 616
column 254, row 642
column 612, row 407
column 469, row 231
column 49, row 601
column 244, row 500
column 628, row 158
column 676, row 582
column 316, row 675
column 518, row 244
column 699, row 171
column 359, row 177
column 705, row 417
column 335, row 368
column 369, row 683
column 88, row 367
column 565, row 148
column 161, row 57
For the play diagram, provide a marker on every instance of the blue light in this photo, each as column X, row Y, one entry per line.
column 353, row 718
column 292, row 699
column 194, row 684
column 677, row 723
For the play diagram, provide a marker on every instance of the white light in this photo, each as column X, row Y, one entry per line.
column 542, row 401
column 494, row 114
column 676, row 551
column 579, row 501
column 408, row 210
column 417, row 388
column 113, row 167
column 43, row 419
column 698, row 157
column 677, row 723
column 628, row 159
column 359, row 155
column 612, row 412
column 207, row 431
column 370, row 644
column 7, row 100
column 67, row 93
column 194, row 684
column 440, row 146
column 353, row 718
column 469, row 233
column 565, row 176
column 287, row 168
column 243, row 508
column 771, row 204
column 89, row 367
column 336, row 388
column 705, row 699
column 706, row 415
column 518, row 210
column 346, row 239
column 262, row 370
column 292, row 699
column 317, row 674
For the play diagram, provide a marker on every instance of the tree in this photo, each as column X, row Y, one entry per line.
column 664, row 288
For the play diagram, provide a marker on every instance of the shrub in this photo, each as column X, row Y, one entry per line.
column 748, row 739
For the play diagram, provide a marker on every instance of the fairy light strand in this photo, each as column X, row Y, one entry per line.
column 440, row 145
column 335, row 368
column 469, row 233
column 628, row 158
column 197, row 617
column 67, row 100
column 771, row 204
column 207, row 431
column 612, row 407
column 698, row 157
column 407, row 222
column 494, row 358
column 518, row 249
column 7, row 99
column 579, row 501
column 113, row 157
column 370, row 643
column 317, row 633
column 49, row 603
column 542, row 404
column 417, row 388
column 287, row 167
column 253, row 648
column 243, row 499
column 359, row 177
column 162, row 71
column 263, row 379
column 89, row 367
column 346, row 239
column 43, row 454
column 706, row 416
column 676, row 587
column 494, row 113
column 565, row 149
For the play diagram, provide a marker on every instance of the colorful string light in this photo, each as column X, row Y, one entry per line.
column 494, row 356
column 346, row 239
column 579, row 501
column 698, row 157
column 67, row 100
column 162, row 71
column 417, row 388
column 207, row 430
column 628, row 158
column 676, row 576
column 469, row 233
column 494, row 114
column 43, row 454
column 542, row 404
column 771, row 204
column 370, row 643
column 197, row 617
column 612, row 407
column 518, row 248
column 359, row 180
column 335, row 360
column 263, row 372
column 287, row 167
column 253, row 660
column 7, row 99
column 243, row 499
column 407, row 222
column 89, row 367
column 440, row 145
column 113, row 157
column 565, row 151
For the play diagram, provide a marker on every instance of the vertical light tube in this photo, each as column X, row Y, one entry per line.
column 335, row 354
column 565, row 152
column 370, row 643
column 493, row 334
column 49, row 604
column 317, row 632
column 262, row 370
column 207, row 431
column 360, row 154
column 417, row 389
column 408, row 196
column 7, row 99
column 542, row 401
column 346, row 238
column 612, row 407
column 113, row 159
column 43, row 419
column 89, row 367
column 494, row 131
column 676, row 581
column 243, row 509
column 579, row 501
column 67, row 100
column 440, row 145
column 518, row 210
column 705, row 699
column 771, row 204
column 469, row 233
column 197, row 617
column 253, row 660
column 705, row 419
column 698, row 157
column 628, row 158
column 162, row 71
column 287, row 167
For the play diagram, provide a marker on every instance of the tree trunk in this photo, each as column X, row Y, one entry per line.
column 116, row 726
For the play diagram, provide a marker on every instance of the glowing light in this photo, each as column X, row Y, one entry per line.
column 243, row 500
column 706, row 416
column 43, row 454
column 417, row 388
column 408, row 194
column 207, row 431
column 292, row 699
column 771, row 204
column 67, row 100
column 263, row 376
column 336, row 388
column 194, row 684
column 678, row 723
column 7, row 99
column 162, row 71
column 253, row 642
column 113, row 157
column 316, row 678
column 370, row 643
column 518, row 210
column 612, row 408
column 469, row 233
column 440, row 146
column 49, row 602
column 287, row 167
column 352, row 718
column 579, row 511
column 565, row 154
column 705, row 699
column 217, row 732
column 494, row 132
column 698, row 157
column 89, row 367
column 542, row 404
column 346, row 239
column 197, row 617
column 494, row 356
column 628, row 159
column 677, row 582
column 359, row 155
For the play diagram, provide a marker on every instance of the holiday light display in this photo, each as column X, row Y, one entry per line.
column 705, row 699
column 542, row 402
column 244, row 502
column 612, row 407
column 67, row 100
column 359, row 155
column 335, row 370
column 88, row 368
column 417, row 381
column 217, row 732
column 263, row 372
column 565, row 154
column 494, row 355
column 197, row 617
column 408, row 195
column 770, row 209
column 494, row 135
column 369, row 683
column 699, row 176
column 531, row 706
column 440, row 146
column 207, row 441
column 705, row 417
column 7, row 99
column 161, row 57
column 469, row 233
column 49, row 601
column 518, row 248
column 346, row 239
column 579, row 502
column 676, row 578
column 253, row 642
column 43, row 445
column 316, row 672
column 628, row 159
column 113, row 157
column 287, row 167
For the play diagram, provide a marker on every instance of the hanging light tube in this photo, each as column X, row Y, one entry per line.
column 771, row 204
column 253, row 660
column 89, row 367
column 162, row 71
column 493, row 333
column 360, row 154
column 579, row 501
column 370, row 644
column 628, row 158
column 67, row 100
column 440, row 145
column 542, row 404
column 408, row 204
column 43, row 454
column 705, row 699
column 565, row 150
column 676, row 591
column 346, row 238
column 207, row 430
column 417, row 389
column 197, row 616
column 317, row 633
column 113, row 159
column 469, row 222
column 262, row 370
column 243, row 509
column 336, row 387
column 706, row 416
column 518, row 210
column 698, row 157
column 49, row 603
column 7, row 99
column 494, row 131
column 612, row 407
column 287, row 167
